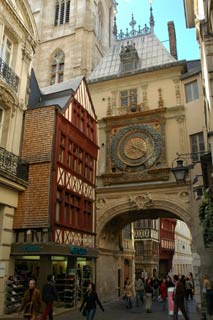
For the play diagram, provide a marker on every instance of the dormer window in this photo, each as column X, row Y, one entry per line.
column 129, row 57
column 62, row 12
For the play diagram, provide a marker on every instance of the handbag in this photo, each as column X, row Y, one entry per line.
column 28, row 310
column 85, row 311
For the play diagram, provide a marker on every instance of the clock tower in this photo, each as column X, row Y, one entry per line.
column 74, row 36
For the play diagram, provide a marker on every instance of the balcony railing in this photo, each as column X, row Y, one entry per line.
column 9, row 75
column 12, row 166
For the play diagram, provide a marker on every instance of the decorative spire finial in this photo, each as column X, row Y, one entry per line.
column 151, row 19
column 132, row 23
column 115, row 29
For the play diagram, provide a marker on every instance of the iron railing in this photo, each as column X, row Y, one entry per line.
column 12, row 165
column 9, row 75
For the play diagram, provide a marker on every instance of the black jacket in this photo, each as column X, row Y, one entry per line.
column 90, row 300
column 49, row 293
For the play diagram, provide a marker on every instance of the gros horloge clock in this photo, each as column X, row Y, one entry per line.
column 136, row 147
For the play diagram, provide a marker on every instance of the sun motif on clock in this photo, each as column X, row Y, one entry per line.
column 135, row 147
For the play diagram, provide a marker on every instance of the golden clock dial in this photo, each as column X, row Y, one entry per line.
column 135, row 148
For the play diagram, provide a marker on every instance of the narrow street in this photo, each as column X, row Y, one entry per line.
column 117, row 311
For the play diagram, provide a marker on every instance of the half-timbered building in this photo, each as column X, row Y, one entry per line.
column 55, row 220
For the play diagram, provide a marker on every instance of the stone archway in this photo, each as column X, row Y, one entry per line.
column 174, row 203
column 117, row 207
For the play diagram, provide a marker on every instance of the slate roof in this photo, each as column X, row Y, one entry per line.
column 151, row 52
column 58, row 94
column 193, row 67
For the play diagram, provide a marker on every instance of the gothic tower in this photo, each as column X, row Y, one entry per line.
column 74, row 35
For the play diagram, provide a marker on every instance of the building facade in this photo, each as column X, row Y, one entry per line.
column 54, row 223
column 167, row 245
column 146, row 241
column 74, row 36
column 182, row 259
column 18, row 39
column 149, row 107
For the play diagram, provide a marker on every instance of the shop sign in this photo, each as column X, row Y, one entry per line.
column 29, row 248
column 78, row 251
column 154, row 234
column 143, row 233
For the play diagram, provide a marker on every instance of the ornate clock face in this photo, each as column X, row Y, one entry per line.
column 135, row 147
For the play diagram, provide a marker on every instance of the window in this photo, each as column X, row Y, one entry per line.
column 197, row 146
column 191, row 91
column 128, row 97
column 127, row 232
column 57, row 68
column 7, row 50
column 1, row 121
column 62, row 12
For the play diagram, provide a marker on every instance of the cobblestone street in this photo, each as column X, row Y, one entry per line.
column 117, row 311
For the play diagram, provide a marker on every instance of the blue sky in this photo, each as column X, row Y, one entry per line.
column 164, row 11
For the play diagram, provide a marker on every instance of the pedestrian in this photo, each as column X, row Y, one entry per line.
column 128, row 292
column 139, row 289
column 89, row 303
column 148, row 295
column 163, row 293
column 169, row 282
column 179, row 298
column 188, row 286
column 49, row 295
column 155, row 288
column 31, row 304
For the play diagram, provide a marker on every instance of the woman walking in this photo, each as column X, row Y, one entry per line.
column 128, row 294
column 32, row 302
column 89, row 303
column 163, row 293
column 148, row 295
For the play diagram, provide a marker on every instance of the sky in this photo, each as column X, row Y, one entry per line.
column 163, row 11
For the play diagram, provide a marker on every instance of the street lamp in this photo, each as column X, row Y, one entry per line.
column 180, row 171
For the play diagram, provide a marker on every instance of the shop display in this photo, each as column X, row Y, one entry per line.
column 67, row 290
column 15, row 294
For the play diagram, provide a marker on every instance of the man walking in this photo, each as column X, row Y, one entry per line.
column 49, row 295
column 139, row 288
column 178, row 297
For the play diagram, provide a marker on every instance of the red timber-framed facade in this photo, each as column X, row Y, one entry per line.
column 167, row 245
column 74, row 177
column 54, row 224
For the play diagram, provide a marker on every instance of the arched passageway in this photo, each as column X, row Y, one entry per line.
column 117, row 209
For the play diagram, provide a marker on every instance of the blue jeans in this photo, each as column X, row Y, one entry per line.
column 139, row 297
column 91, row 314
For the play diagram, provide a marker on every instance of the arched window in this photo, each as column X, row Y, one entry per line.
column 57, row 68
column 62, row 12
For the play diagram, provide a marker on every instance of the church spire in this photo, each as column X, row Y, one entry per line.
column 151, row 19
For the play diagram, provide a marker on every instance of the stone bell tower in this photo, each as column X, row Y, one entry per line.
column 74, row 35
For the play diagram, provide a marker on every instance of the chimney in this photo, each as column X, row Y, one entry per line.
column 172, row 39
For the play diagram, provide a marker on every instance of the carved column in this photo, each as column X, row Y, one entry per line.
column 144, row 105
column 182, row 134
column 160, row 100
column 177, row 91
column 114, row 102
